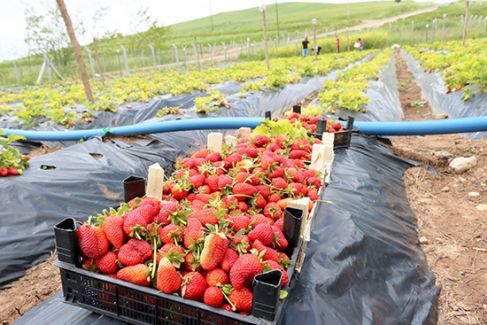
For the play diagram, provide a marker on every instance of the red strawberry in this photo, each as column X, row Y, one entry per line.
column 242, row 299
column 239, row 222
column 242, row 206
column 244, row 270
column 3, row 172
column 243, row 191
column 257, row 219
column 202, row 153
column 213, row 296
column 216, row 276
column 226, row 307
column 261, row 140
column 242, row 177
column 228, row 260
column 273, row 265
column 107, row 263
column 194, row 286
column 269, row 253
column 273, row 211
column 12, row 171
column 259, row 202
column 178, row 192
column 280, row 241
column 262, row 232
column 241, row 243
column 274, row 197
column 214, row 157
column 205, row 216
column 232, row 160
column 113, row 228
column 314, row 181
column 279, row 183
column 214, row 250
column 224, row 181
column 277, row 172
column 167, row 208
column 168, row 280
column 92, row 241
column 263, row 190
column 212, row 182
column 131, row 220
column 297, row 154
column 147, row 211
column 170, row 233
column 279, row 224
column 191, row 263
column 193, row 233
column 313, row 194
column 337, row 126
column 197, row 180
column 134, row 252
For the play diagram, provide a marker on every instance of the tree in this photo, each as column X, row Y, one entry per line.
column 146, row 30
column 45, row 32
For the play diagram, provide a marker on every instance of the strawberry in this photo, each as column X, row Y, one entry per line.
column 263, row 190
column 197, row 180
column 213, row 251
column 284, row 260
column 226, row 307
column 268, row 253
column 313, row 194
column 259, row 201
column 261, row 140
column 244, row 270
column 242, row 177
column 151, row 201
column 193, row 234
column 273, row 265
column 297, row 154
column 224, row 181
column 314, row 181
column 240, row 222
column 273, row 211
column 257, row 219
column 193, row 286
column 213, row 296
column 178, row 192
column 279, row 224
column 113, row 228
column 202, row 153
column 212, row 182
column 277, row 172
column 262, row 232
column 279, row 183
column 280, row 241
column 242, row 299
column 147, row 211
column 337, row 126
column 170, row 233
column 168, row 280
column 232, row 160
column 274, row 197
column 167, row 208
column 92, row 241
column 3, row 172
column 107, row 263
column 191, row 263
column 241, row 243
column 134, row 252
column 243, row 191
column 214, row 157
column 137, row 274
column 205, row 216
column 228, row 260
column 131, row 220
column 216, row 276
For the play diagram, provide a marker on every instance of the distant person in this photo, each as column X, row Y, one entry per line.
column 338, row 44
column 359, row 44
column 305, row 47
column 318, row 50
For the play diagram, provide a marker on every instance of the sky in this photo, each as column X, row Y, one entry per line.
column 119, row 16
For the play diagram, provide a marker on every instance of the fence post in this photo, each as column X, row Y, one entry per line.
column 184, row 57
column 176, row 54
column 196, row 52
column 90, row 60
column 119, row 63
column 153, row 55
column 224, row 52
column 125, row 59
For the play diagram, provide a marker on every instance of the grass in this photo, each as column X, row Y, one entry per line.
column 230, row 26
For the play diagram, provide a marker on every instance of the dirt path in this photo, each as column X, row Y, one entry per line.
column 451, row 211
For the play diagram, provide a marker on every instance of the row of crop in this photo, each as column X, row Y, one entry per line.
column 349, row 90
column 52, row 101
column 464, row 68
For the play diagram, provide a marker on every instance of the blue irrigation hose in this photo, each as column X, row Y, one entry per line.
column 463, row 125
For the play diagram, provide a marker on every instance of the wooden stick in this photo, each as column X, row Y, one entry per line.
column 155, row 180
column 215, row 141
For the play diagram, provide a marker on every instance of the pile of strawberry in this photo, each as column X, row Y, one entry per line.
column 218, row 224
column 12, row 162
column 309, row 122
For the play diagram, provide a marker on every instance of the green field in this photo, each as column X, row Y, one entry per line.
column 231, row 26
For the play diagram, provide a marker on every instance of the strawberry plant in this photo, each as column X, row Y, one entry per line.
column 12, row 162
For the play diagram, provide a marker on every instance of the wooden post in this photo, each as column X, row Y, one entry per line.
column 155, row 179
column 264, row 30
column 244, row 132
column 321, row 155
column 76, row 50
column 98, row 64
column 215, row 141
column 465, row 21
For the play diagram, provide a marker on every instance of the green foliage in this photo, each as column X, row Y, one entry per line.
column 176, row 110
column 280, row 127
column 9, row 156
column 211, row 103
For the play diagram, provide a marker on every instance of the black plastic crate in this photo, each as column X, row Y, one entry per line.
column 342, row 138
column 143, row 305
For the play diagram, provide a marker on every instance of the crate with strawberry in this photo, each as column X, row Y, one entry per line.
column 221, row 241
column 12, row 162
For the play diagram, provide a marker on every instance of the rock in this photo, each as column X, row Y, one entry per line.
column 443, row 155
column 462, row 164
column 440, row 116
column 473, row 194
column 423, row 240
column 481, row 207
column 445, row 189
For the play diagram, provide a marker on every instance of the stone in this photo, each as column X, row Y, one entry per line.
column 443, row 155
column 445, row 189
column 473, row 194
column 440, row 116
column 423, row 240
column 462, row 164
column 481, row 207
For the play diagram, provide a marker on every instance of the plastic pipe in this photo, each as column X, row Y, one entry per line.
column 464, row 125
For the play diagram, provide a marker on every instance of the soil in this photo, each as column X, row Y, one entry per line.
column 451, row 220
column 40, row 282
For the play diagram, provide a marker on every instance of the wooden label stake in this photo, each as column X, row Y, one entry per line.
column 215, row 141
column 155, row 181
